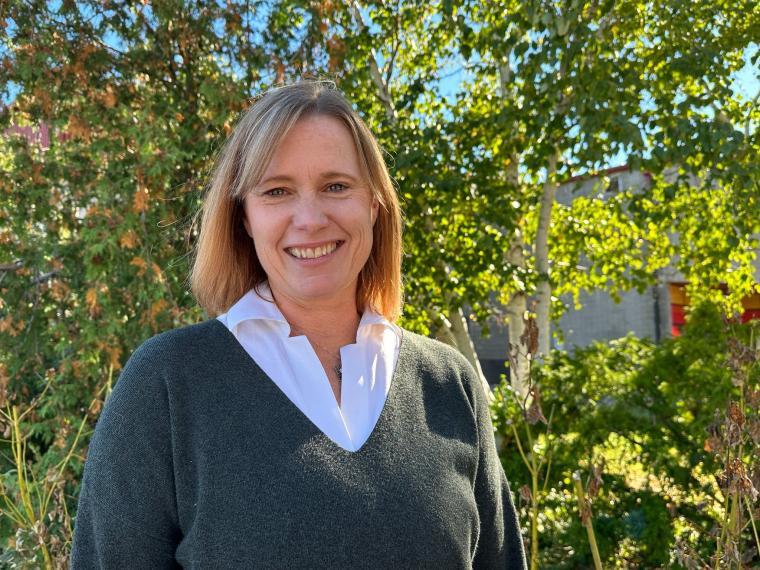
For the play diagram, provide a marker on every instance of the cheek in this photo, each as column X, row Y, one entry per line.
column 267, row 232
column 254, row 230
column 252, row 220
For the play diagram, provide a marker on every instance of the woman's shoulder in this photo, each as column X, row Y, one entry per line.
column 435, row 353
column 182, row 344
column 442, row 366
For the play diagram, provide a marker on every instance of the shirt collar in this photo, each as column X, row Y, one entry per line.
column 258, row 304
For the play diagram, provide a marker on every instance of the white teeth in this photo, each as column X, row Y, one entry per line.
column 312, row 253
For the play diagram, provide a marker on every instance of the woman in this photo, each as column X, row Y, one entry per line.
column 301, row 428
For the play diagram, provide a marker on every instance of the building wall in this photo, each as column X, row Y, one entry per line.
column 601, row 318
column 492, row 350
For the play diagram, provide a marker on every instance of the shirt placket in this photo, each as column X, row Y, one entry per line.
column 320, row 403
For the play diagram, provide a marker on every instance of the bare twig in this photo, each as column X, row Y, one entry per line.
column 14, row 266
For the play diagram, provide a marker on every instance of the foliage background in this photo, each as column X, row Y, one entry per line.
column 649, row 415
column 95, row 231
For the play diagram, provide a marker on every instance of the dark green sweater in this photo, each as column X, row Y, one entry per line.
column 200, row 461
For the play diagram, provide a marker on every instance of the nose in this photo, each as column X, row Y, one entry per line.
column 309, row 214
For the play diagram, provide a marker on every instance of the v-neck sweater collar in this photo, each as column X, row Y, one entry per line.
column 243, row 360
column 293, row 365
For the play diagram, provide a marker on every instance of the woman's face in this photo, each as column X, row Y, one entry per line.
column 312, row 214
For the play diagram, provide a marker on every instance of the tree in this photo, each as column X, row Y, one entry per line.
column 579, row 82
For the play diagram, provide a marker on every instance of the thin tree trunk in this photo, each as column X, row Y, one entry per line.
column 377, row 78
column 518, row 345
column 465, row 345
column 519, row 356
column 443, row 330
column 543, row 287
column 517, row 348
column 453, row 330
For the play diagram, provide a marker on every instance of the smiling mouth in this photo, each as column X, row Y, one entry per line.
column 314, row 253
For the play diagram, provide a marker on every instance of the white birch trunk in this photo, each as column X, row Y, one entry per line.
column 453, row 330
column 465, row 345
column 543, row 288
column 443, row 330
column 377, row 78
column 517, row 349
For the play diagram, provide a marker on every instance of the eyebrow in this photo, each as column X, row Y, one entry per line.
column 324, row 175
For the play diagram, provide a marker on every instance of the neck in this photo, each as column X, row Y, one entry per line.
column 332, row 322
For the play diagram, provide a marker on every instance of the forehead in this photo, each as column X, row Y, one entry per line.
column 315, row 142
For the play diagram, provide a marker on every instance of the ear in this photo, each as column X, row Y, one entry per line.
column 375, row 209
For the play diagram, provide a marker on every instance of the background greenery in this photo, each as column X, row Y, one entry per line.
column 656, row 423
column 95, row 230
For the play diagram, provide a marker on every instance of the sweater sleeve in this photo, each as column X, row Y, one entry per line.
column 500, row 542
column 127, row 515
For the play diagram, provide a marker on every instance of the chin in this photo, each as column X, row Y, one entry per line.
column 324, row 291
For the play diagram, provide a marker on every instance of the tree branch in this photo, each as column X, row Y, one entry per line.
column 374, row 70
column 18, row 264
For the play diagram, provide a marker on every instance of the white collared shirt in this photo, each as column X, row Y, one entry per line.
column 367, row 366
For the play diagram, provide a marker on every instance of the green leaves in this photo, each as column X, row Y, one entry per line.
column 646, row 411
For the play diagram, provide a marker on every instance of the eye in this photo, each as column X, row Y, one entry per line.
column 336, row 187
column 275, row 192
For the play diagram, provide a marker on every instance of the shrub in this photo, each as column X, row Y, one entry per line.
column 654, row 416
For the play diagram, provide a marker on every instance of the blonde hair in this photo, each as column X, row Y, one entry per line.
column 225, row 265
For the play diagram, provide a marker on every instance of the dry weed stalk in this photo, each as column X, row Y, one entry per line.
column 36, row 503
column 537, row 462
column 584, row 496
column 734, row 436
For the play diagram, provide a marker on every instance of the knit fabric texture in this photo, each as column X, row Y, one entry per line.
column 198, row 460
